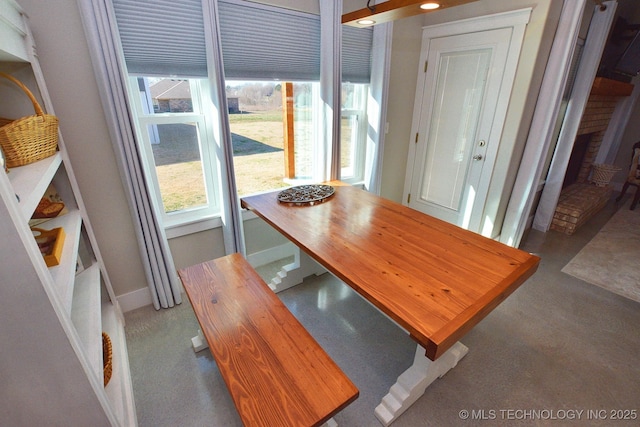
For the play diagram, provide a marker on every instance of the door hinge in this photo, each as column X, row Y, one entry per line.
column 409, row 198
column 416, row 141
column 426, row 63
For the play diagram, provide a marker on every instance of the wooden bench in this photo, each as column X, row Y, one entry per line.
column 277, row 374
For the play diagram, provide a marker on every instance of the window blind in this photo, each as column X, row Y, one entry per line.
column 166, row 38
column 162, row 37
column 356, row 54
column 265, row 42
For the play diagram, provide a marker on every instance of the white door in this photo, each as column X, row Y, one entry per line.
column 460, row 109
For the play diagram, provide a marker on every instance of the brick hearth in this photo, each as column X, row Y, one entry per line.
column 577, row 204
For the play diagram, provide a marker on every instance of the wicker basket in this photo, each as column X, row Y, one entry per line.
column 28, row 139
column 107, row 358
column 603, row 173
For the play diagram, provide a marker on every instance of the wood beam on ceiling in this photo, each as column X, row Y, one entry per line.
column 395, row 9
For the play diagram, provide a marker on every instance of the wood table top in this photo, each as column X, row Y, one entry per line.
column 433, row 278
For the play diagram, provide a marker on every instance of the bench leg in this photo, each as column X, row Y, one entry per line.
column 199, row 343
column 414, row 381
column 330, row 423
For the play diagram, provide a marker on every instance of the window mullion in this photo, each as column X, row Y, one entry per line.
column 168, row 118
column 144, row 140
column 209, row 146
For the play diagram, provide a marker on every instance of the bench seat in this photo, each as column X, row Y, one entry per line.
column 276, row 373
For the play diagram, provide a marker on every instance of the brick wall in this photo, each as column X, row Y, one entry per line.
column 595, row 120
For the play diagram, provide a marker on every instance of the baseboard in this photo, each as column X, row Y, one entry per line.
column 136, row 299
column 258, row 259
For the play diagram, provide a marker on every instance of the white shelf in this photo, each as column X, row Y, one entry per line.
column 119, row 390
column 64, row 274
column 31, row 181
column 12, row 32
column 86, row 316
column 57, row 308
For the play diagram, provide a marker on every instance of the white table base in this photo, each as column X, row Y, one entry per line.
column 413, row 382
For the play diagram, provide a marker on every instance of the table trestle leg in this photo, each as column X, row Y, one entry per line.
column 414, row 381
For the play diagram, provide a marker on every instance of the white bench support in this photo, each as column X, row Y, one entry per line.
column 413, row 382
column 199, row 342
column 330, row 423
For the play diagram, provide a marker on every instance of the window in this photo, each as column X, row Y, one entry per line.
column 261, row 144
column 175, row 133
column 292, row 56
column 353, row 131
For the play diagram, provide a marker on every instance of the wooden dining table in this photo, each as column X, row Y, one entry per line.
column 434, row 279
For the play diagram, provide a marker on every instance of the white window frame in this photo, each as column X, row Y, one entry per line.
column 354, row 174
column 208, row 216
column 197, row 218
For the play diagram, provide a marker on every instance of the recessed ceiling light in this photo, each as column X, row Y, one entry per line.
column 429, row 6
column 366, row 22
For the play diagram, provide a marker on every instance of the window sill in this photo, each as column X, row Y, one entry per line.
column 191, row 227
column 212, row 222
column 199, row 225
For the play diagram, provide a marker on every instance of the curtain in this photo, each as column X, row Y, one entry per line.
column 99, row 23
column 231, row 216
column 328, row 129
column 377, row 105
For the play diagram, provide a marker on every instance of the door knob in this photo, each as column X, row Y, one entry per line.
column 477, row 157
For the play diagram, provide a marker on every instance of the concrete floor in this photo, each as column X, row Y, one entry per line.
column 558, row 351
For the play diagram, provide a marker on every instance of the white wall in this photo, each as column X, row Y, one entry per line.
column 405, row 54
column 197, row 247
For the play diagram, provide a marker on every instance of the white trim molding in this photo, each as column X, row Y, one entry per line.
column 542, row 126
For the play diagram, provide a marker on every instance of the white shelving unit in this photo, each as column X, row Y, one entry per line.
column 52, row 317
